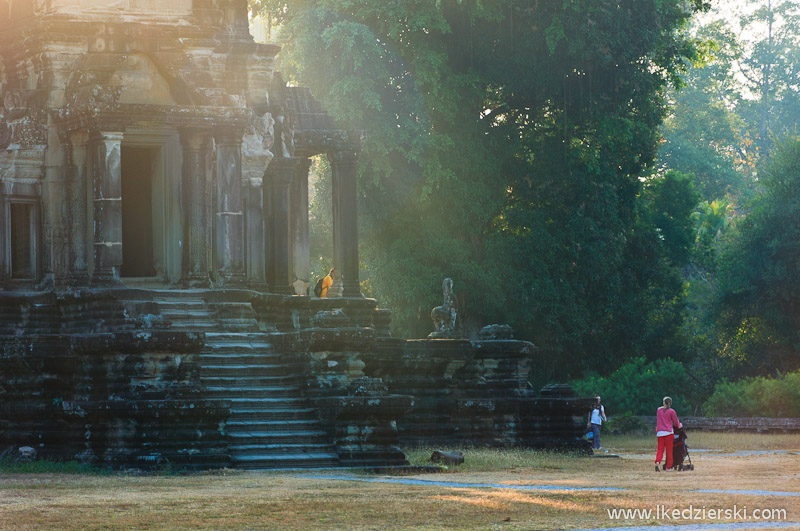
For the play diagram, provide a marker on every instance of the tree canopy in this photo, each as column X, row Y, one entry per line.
column 507, row 144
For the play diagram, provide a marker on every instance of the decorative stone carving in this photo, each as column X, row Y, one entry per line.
column 496, row 331
column 5, row 135
column 366, row 386
column 331, row 319
column 444, row 316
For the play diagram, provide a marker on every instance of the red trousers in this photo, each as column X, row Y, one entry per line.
column 665, row 442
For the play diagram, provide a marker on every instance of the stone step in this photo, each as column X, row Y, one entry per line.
column 233, row 368
column 273, row 425
column 233, row 309
column 273, row 415
column 267, row 404
column 279, row 438
column 262, row 381
column 266, row 359
column 288, row 460
column 188, row 314
column 205, row 326
column 235, row 336
column 181, row 304
column 233, row 346
column 192, row 324
column 259, row 392
column 239, row 323
column 279, row 449
column 183, row 294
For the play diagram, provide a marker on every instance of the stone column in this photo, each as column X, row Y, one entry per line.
column 299, row 240
column 229, row 227
column 344, row 170
column 278, row 177
column 254, row 234
column 194, row 254
column 107, row 177
column 78, row 169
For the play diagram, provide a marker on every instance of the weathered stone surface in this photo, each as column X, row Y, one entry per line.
column 496, row 331
column 476, row 392
column 557, row 391
column 170, row 335
column 444, row 316
column 448, row 458
column 114, row 398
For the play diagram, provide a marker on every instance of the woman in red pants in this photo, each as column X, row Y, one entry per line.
column 666, row 420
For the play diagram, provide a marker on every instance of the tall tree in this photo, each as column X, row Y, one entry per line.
column 769, row 65
column 704, row 135
column 760, row 273
column 505, row 145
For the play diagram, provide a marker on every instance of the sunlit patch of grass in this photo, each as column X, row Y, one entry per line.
column 291, row 500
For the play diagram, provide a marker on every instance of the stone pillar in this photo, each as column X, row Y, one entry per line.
column 344, row 170
column 78, row 169
column 254, row 234
column 279, row 175
column 106, row 149
column 194, row 254
column 298, row 229
column 229, row 227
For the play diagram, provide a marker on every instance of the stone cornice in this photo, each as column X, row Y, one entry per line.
column 60, row 27
column 118, row 117
column 310, row 142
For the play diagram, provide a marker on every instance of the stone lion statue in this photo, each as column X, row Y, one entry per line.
column 444, row 316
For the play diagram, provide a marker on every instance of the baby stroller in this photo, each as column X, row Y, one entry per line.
column 680, row 452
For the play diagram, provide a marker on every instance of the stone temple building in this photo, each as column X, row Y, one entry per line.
column 135, row 138
column 154, row 262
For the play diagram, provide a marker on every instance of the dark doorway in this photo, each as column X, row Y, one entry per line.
column 137, row 211
column 22, row 255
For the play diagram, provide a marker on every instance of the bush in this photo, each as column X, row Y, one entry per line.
column 628, row 423
column 756, row 397
column 639, row 386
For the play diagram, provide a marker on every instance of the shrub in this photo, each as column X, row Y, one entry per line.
column 628, row 423
column 756, row 397
column 639, row 386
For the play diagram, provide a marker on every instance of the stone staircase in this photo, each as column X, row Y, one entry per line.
column 188, row 311
column 271, row 423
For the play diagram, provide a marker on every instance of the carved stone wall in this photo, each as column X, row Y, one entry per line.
column 475, row 393
column 118, row 400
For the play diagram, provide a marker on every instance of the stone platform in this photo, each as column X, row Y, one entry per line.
column 207, row 378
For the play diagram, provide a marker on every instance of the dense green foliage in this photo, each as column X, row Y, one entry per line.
column 639, row 387
column 728, row 128
column 505, row 145
column 543, row 157
column 757, row 397
column 629, row 424
column 760, row 273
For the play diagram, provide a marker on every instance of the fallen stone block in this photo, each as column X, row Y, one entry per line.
column 447, row 458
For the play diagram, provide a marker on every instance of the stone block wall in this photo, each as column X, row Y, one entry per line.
column 120, row 400
column 475, row 393
column 358, row 412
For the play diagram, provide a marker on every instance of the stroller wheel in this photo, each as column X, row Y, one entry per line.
column 680, row 468
column 691, row 467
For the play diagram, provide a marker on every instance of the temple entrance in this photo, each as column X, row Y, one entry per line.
column 23, row 255
column 138, row 165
